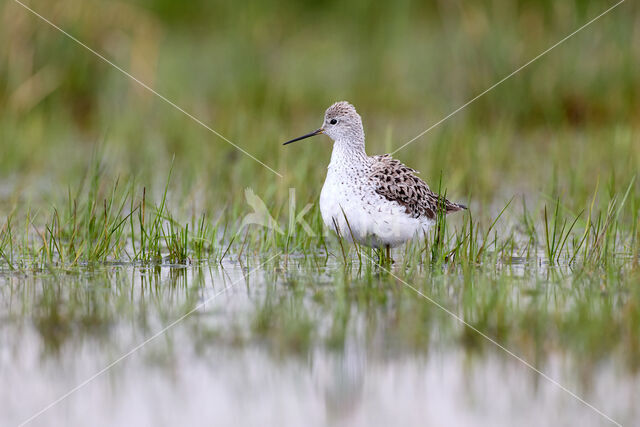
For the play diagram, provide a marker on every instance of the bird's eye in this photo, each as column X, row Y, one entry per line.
column 333, row 121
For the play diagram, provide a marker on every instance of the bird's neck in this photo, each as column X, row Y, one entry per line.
column 348, row 153
column 347, row 159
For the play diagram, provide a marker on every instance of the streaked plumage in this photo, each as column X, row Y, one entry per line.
column 399, row 183
column 376, row 201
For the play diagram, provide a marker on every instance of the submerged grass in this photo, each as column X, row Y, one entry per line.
column 109, row 223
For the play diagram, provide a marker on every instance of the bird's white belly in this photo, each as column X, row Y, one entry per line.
column 362, row 215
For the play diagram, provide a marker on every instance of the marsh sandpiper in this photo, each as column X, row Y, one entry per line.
column 376, row 201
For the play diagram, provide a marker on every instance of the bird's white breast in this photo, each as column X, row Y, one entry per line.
column 348, row 200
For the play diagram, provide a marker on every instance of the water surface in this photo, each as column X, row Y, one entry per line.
column 292, row 344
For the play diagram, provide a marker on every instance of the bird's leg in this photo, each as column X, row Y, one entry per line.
column 389, row 260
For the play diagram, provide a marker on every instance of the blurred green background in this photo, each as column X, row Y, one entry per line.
column 263, row 72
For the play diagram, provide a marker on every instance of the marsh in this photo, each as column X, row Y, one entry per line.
column 136, row 289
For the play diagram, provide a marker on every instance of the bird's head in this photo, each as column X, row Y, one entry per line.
column 341, row 123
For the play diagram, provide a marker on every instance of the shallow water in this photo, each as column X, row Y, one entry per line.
column 295, row 345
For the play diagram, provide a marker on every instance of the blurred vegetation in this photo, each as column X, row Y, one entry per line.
column 261, row 72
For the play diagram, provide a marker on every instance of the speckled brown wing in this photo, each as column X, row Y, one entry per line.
column 399, row 183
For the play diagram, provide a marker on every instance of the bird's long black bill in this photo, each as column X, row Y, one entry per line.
column 315, row 132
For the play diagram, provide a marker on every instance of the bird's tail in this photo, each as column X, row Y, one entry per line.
column 454, row 207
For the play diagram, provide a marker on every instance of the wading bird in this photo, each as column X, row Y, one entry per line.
column 376, row 201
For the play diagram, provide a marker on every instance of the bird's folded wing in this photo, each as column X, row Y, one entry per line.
column 399, row 183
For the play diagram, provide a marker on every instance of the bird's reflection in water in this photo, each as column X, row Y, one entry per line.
column 339, row 377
